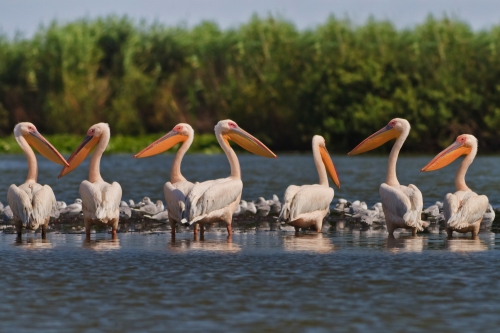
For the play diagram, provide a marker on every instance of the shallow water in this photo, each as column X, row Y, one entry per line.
column 360, row 176
column 346, row 281
column 343, row 280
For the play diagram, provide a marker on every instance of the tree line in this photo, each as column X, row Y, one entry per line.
column 282, row 84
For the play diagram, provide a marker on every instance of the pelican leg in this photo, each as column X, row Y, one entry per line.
column 449, row 231
column 202, row 230
column 319, row 226
column 229, row 229
column 172, row 227
column 413, row 231
column 88, row 225
column 195, row 229
column 476, row 228
column 44, row 231
column 390, row 229
column 19, row 228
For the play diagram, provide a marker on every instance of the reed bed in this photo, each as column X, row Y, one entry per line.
column 283, row 85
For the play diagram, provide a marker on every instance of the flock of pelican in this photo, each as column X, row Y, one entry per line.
column 219, row 200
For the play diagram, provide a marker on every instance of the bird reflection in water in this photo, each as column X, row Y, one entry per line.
column 102, row 244
column 212, row 245
column 473, row 244
column 308, row 242
column 405, row 243
column 34, row 243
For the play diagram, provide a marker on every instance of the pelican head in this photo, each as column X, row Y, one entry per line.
column 319, row 141
column 94, row 135
column 29, row 132
column 229, row 130
column 464, row 144
column 180, row 133
column 391, row 131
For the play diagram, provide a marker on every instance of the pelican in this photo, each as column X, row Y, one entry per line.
column 307, row 205
column 32, row 203
column 100, row 200
column 217, row 200
column 178, row 187
column 402, row 205
column 463, row 210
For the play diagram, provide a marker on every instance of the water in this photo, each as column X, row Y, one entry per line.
column 360, row 176
column 343, row 280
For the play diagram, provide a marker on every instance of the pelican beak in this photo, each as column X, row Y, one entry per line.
column 248, row 142
column 44, row 147
column 447, row 156
column 164, row 143
column 79, row 154
column 330, row 168
column 375, row 140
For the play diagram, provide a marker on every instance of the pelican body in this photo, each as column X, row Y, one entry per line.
column 32, row 203
column 178, row 187
column 100, row 200
column 306, row 206
column 402, row 205
column 217, row 200
column 464, row 209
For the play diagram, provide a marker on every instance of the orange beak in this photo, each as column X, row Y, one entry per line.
column 330, row 168
column 447, row 156
column 164, row 143
column 44, row 147
column 79, row 154
column 375, row 140
column 248, row 142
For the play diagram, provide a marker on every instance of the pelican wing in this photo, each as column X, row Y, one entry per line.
column 100, row 201
column 310, row 198
column 20, row 203
column 212, row 195
column 34, row 205
column 402, row 203
column 44, row 201
column 290, row 193
column 471, row 209
column 175, row 197
column 450, row 205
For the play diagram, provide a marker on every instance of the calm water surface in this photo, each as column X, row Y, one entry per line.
column 262, row 281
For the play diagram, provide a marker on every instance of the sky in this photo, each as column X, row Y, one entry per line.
column 26, row 15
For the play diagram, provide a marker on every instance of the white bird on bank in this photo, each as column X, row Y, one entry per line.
column 402, row 205
column 72, row 210
column 307, row 205
column 217, row 200
column 464, row 209
column 30, row 202
column 177, row 189
column 100, row 200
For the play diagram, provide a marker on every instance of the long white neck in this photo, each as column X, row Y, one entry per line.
column 231, row 155
column 175, row 173
column 30, row 157
column 94, row 172
column 391, row 178
column 320, row 166
column 462, row 170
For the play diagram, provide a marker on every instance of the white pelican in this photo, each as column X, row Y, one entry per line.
column 402, row 205
column 463, row 210
column 100, row 200
column 178, row 187
column 32, row 203
column 217, row 200
column 307, row 205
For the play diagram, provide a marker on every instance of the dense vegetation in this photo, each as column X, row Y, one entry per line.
column 281, row 84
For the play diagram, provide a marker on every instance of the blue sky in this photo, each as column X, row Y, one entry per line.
column 26, row 15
